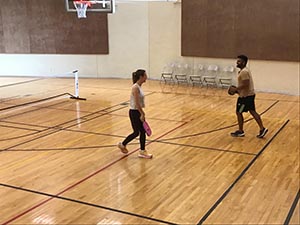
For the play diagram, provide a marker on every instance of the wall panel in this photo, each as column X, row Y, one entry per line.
column 42, row 30
column 44, row 27
column 1, row 33
column 261, row 29
column 15, row 26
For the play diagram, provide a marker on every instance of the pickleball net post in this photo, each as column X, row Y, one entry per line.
column 76, row 86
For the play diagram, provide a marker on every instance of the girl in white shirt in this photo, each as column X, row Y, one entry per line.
column 137, row 114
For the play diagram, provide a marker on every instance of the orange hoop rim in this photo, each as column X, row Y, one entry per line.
column 88, row 3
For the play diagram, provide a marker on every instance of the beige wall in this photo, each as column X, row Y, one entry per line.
column 145, row 35
column 128, row 41
column 165, row 33
column 274, row 76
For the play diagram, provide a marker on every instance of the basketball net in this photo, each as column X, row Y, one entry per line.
column 81, row 7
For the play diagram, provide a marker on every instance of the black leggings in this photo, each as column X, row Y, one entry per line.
column 138, row 129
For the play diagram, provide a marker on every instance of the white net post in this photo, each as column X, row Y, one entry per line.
column 75, row 72
column 76, row 96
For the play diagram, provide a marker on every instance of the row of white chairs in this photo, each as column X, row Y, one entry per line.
column 198, row 74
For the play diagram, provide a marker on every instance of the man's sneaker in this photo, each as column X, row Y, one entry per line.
column 122, row 148
column 238, row 133
column 145, row 154
column 262, row 133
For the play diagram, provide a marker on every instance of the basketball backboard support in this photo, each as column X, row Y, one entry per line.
column 104, row 6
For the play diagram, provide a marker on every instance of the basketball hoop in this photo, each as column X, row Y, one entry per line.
column 81, row 7
column 84, row 6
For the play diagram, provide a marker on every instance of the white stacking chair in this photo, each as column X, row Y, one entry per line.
column 181, row 73
column 167, row 73
column 210, row 78
column 226, row 76
column 196, row 75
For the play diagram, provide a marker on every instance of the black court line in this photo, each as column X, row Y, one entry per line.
column 213, row 95
column 59, row 109
column 25, row 124
column 22, row 82
column 157, row 119
column 35, row 108
column 120, row 89
column 41, row 126
column 203, row 147
column 45, row 127
column 224, row 96
column 98, row 147
column 218, row 129
column 73, row 120
column 283, row 100
column 36, row 131
column 217, row 203
column 85, row 178
column 19, row 136
column 292, row 209
column 3, row 100
column 160, row 141
column 55, row 131
column 18, row 128
column 100, row 112
column 79, row 202
column 33, row 102
column 56, row 128
column 70, row 121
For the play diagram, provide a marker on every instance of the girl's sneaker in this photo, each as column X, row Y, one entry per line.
column 122, row 148
column 145, row 154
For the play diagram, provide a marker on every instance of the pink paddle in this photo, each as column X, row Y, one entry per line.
column 147, row 128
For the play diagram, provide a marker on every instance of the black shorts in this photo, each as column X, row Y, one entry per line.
column 244, row 104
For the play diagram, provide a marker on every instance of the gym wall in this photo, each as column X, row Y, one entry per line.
column 261, row 29
column 44, row 27
column 144, row 35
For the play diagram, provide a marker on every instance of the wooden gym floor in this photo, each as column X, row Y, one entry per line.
column 59, row 163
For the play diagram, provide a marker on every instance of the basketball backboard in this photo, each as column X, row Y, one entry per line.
column 104, row 6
